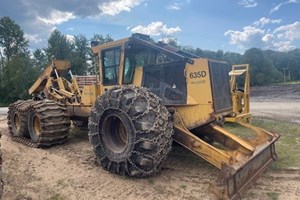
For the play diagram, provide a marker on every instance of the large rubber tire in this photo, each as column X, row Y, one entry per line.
column 48, row 123
column 16, row 120
column 131, row 131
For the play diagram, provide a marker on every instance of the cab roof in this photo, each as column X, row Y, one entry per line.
column 146, row 41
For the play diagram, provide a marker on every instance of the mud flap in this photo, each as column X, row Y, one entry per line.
column 233, row 183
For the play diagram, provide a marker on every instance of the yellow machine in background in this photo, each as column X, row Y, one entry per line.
column 146, row 95
column 240, row 94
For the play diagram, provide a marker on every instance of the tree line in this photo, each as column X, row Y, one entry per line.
column 20, row 67
column 266, row 66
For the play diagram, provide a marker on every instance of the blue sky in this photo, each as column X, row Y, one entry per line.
column 211, row 25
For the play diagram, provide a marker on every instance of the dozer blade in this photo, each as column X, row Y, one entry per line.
column 241, row 161
column 237, row 179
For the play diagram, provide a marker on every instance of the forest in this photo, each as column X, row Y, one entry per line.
column 20, row 66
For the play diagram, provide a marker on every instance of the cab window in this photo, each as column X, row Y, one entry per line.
column 110, row 63
column 129, row 67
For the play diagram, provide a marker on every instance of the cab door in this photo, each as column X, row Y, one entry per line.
column 112, row 60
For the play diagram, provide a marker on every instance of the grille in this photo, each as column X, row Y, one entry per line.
column 220, row 86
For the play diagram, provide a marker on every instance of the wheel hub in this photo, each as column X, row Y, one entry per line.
column 36, row 125
column 115, row 136
column 17, row 121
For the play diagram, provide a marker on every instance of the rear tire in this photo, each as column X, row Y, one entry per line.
column 131, row 131
column 48, row 123
column 17, row 121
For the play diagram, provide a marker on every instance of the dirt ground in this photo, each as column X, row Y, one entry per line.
column 276, row 102
column 69, row 171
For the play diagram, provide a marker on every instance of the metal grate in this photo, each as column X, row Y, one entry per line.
column 86, row 80
column 220, row 86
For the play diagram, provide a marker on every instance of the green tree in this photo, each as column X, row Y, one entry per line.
column 80, row 53
column 58, row 46
column 199, row 52
column 101, row 39
column 1, row 63
column 40, row 59
column 232, row 58
column 262, row 70
column 12, row 38
column 189, row 49
column 19, row 75
column 219, row 55
column 293, row 63
column 17, row 71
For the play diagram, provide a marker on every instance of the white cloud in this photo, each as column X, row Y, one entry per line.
column 174, row 6
column 156, row 29
column 169, row 39
column 277, row 7
column 290, row 32
column 283, row 46
column 115, row 7
column 267, row 38
column 248, row 3
column 255, row 35
column 70, row 38
column 39, row 17
column 57, row 17
column 33, row 38
column 249, row 35
column 264, row 21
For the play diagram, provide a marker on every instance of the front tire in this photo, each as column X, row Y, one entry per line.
column 131, row 131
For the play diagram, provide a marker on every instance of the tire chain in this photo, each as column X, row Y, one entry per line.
column 24, row 107
column 166, row 132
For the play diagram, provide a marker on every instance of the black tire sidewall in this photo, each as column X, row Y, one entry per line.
column 125, row 154
column 149, row 131
column 14, row 130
